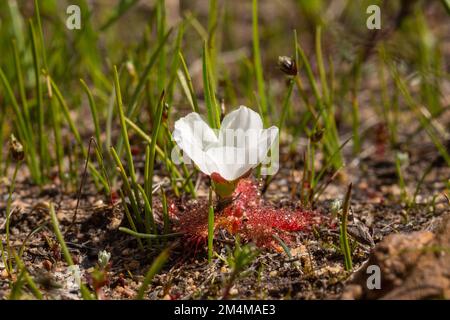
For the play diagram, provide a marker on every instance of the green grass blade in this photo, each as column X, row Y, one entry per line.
column 127, row 185
column 129, row 217
column 446, row 4
column 84, row 290
column 28, row 279
column 154, row 269
column 24, row 135
column 186, row 84
column 17, row 23
column 160, row 29
column 39, row 98
column 75, row 132
column 165, row 212
column 40, row 33
column 425, row 120
column 286, row 104
column 149, row 235
column 212, row 108
column 16, row 290
column 155, row 133
column 122, row 7
column 56, row 123
column 345, row 246
column 59, row 236
column 148, row 139
column 213, row 13
column 258, row 64
column 123, row 127
column 320, row 65
column 21, row 86
column 174, row 65
column 93, row 109
column 149, row 221
column 145, row 74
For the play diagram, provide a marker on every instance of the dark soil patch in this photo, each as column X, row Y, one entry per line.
column 315, row 270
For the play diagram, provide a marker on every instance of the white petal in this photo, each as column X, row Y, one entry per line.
column 266, row 140
column 194, row 137
column 230, row 161
column 243, row 118
column 234, row 161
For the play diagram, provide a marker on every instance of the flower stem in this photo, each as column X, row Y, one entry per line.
column 210, row 227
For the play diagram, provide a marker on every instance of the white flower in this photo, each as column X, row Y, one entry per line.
column 240, row 145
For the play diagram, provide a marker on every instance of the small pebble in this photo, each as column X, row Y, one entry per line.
column 4, row 274
column 47, row 265
column 98, row 203
column 128, row 292
column 234, row 291
column 119, row 289
column 133, row 265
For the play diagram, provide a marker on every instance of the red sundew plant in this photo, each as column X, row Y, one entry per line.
column 248, row 216
column 192, row 220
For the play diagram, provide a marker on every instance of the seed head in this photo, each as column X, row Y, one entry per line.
column 165, row 113
column 287, row 65
column 317, row 135
column 16, row 148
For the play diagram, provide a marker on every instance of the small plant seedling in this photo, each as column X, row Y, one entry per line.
column 238, row 259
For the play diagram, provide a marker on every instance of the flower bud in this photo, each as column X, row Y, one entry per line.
column 165, row 113
column 131, row 70
column 16, row 148
column 222, row 109
column 287, row 65
column 317, row 135
column 336, row 206
column 103, row 258
column 402, row 158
